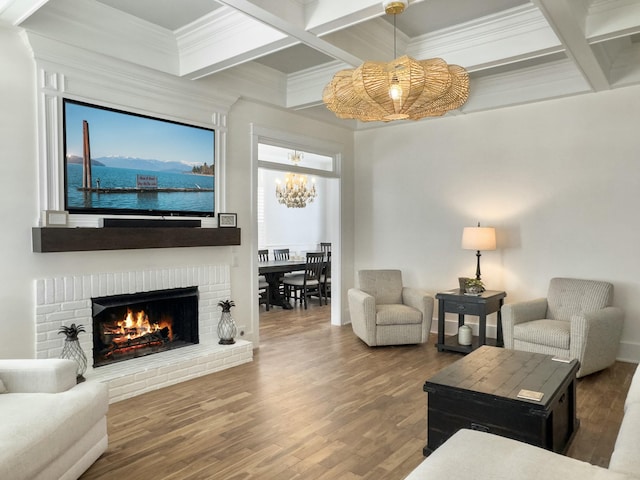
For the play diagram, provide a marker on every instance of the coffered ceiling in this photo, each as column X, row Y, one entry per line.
column 283, row 52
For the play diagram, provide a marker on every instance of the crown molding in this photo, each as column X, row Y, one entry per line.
column 609, row 19
column 540, row 82
column 517, row 32
column 250, row 80
column 122, row 83
column 304, row 89
column 625, row 70
column 108, row 31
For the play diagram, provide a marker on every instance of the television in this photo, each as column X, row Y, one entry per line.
column 123, row 163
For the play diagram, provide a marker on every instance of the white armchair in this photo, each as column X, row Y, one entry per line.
column 576, row 320
column 384, row 312
column 51, row 428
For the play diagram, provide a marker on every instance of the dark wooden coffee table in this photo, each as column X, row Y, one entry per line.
column 480, row 392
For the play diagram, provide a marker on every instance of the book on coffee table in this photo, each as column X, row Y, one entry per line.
column 530, row 395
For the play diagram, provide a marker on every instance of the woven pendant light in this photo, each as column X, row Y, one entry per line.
column 404, row 88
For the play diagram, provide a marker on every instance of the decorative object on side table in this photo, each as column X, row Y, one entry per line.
column 226, row 326
column 465, row 336
column 72, row 349
column 473, row 286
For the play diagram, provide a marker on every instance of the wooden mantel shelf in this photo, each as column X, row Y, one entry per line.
column 123, row 238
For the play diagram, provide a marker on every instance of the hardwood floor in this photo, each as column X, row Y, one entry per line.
column 316, row 403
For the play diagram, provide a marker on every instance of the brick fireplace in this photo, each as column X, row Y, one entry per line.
column 68, row 299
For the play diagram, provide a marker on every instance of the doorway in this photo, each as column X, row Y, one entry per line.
column 300, row 229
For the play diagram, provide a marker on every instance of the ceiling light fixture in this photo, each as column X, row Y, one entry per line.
column 295, row 193
column 404, row 88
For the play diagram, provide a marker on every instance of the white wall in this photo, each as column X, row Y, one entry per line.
column 18, row 194
column 559, row 180
column 20, row 212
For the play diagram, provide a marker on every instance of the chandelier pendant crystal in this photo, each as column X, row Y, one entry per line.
column 404, row 88
column 295, row 193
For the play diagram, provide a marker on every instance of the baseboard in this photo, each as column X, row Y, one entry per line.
column 629, row 352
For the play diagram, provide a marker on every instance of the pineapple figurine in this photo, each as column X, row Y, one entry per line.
column 72, row 349
column 226, row 326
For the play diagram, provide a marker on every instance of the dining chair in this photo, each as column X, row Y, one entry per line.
column 263, row 285
column 307, row 283
column 281, row 253
column 325, row 278
column 325, row 247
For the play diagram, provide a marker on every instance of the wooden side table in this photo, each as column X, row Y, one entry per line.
column 455, row 301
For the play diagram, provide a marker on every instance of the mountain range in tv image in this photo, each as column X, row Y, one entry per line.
column 135, row 164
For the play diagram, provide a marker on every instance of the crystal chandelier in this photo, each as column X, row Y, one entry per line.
column 295, row 193
column 404, row 88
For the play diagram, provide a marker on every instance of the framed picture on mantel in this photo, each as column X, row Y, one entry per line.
column 227, row 220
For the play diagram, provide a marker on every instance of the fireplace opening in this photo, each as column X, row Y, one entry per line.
column 134, row 325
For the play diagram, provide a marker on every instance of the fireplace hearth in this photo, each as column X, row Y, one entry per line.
column 135, row 325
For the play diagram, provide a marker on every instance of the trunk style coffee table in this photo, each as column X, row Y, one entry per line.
column 481, row 392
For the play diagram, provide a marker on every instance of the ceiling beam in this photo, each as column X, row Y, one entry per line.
column 290, row 27
column 567, row 24
column 327, row 16
column 17, row 11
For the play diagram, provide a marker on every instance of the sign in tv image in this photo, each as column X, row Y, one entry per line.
column 119, row 162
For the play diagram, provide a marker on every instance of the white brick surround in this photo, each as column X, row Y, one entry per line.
column 65, row 300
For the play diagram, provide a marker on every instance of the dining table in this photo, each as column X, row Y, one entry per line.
column 273, row 270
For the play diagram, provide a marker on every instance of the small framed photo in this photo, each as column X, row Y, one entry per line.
column 55, row 218
column 227, row 220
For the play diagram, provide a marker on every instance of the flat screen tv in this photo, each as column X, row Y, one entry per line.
column 121, row 163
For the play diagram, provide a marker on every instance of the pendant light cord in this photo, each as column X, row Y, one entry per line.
column 394, row 37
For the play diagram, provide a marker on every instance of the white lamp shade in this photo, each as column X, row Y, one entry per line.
column 479, row 238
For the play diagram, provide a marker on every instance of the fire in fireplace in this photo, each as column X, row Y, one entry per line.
column 139, row 324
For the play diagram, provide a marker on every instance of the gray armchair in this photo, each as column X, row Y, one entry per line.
column 576, row 320
column 384, row 312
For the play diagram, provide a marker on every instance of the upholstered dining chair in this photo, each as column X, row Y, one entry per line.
column 575, row 320
column 263, row 285
column 307, row 283
column 385, row 312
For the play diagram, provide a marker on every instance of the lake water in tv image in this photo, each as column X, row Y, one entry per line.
column 122, row 178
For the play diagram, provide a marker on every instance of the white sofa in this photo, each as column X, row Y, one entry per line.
column 470, row 454
column 50, row 428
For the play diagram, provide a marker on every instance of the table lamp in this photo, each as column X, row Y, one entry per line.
column 479, row 239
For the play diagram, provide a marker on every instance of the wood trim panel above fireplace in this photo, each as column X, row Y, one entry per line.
column 46, row 240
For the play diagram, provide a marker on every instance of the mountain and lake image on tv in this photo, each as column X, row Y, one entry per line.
column 118, row 162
